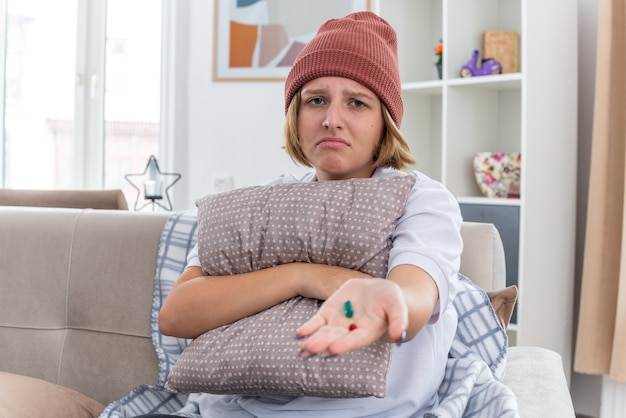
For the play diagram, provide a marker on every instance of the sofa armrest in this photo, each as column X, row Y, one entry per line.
column 536, row 377
column 482, row 259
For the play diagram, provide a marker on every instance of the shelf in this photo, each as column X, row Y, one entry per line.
column 427, row 88
column 479, row 200
column 497, row 81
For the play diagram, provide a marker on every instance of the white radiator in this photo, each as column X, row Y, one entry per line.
column 613, row 404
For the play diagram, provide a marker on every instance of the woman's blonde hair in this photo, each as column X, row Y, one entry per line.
column 393, row 150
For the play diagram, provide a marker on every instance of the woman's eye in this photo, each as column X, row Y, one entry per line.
column 316, row 101
column 358, row 103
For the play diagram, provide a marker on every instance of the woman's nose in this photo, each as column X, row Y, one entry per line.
column 334, row 116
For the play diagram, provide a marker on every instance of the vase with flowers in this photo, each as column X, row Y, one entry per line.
column 439, row 55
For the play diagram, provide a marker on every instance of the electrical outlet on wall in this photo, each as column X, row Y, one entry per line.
column 222, row 183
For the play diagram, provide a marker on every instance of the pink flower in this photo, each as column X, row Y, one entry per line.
column 489, row 179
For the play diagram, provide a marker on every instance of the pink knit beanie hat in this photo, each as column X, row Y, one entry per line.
column 361, row 46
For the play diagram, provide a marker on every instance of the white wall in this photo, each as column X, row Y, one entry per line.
column 235, row 128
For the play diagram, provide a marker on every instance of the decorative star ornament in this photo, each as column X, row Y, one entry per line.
column 156, row 185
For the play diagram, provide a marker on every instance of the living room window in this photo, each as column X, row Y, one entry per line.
column 81, row 93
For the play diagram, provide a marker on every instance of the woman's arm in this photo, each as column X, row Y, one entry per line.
column 198, row 303
column 420, row 294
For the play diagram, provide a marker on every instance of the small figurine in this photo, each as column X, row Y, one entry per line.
column 487, row 66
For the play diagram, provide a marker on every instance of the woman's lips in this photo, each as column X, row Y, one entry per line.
column 332, row 143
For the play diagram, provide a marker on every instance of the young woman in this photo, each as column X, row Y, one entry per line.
column 344, row 107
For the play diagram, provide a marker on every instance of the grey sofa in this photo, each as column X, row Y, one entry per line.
column 75, row 304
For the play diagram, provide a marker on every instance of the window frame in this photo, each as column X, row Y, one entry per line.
column 89, row 90
column 89, row 94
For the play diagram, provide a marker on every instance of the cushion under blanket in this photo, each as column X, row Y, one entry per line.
column 347, row 223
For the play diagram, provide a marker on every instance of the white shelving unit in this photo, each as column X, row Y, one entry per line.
column 533, row 111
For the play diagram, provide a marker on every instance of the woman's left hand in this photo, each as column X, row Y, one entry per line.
column 378, row 310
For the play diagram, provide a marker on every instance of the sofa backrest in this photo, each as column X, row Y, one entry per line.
column 80, row 199
column 76, row 295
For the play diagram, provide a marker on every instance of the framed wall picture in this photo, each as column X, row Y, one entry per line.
column 259, row 39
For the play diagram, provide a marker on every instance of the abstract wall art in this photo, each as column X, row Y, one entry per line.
column 259, row 39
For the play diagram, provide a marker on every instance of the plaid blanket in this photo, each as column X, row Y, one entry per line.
column 472, row 385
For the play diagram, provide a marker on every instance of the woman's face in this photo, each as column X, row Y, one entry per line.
column 340, row 125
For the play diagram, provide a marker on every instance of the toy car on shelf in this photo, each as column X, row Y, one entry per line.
column 487, row 66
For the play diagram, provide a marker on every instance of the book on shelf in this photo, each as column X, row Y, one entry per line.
column 502, row 46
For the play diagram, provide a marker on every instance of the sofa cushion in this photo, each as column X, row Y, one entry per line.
column 345, row 223
column 66, row 331
column 28, row 397
column 536, row 376
column 178, row 237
